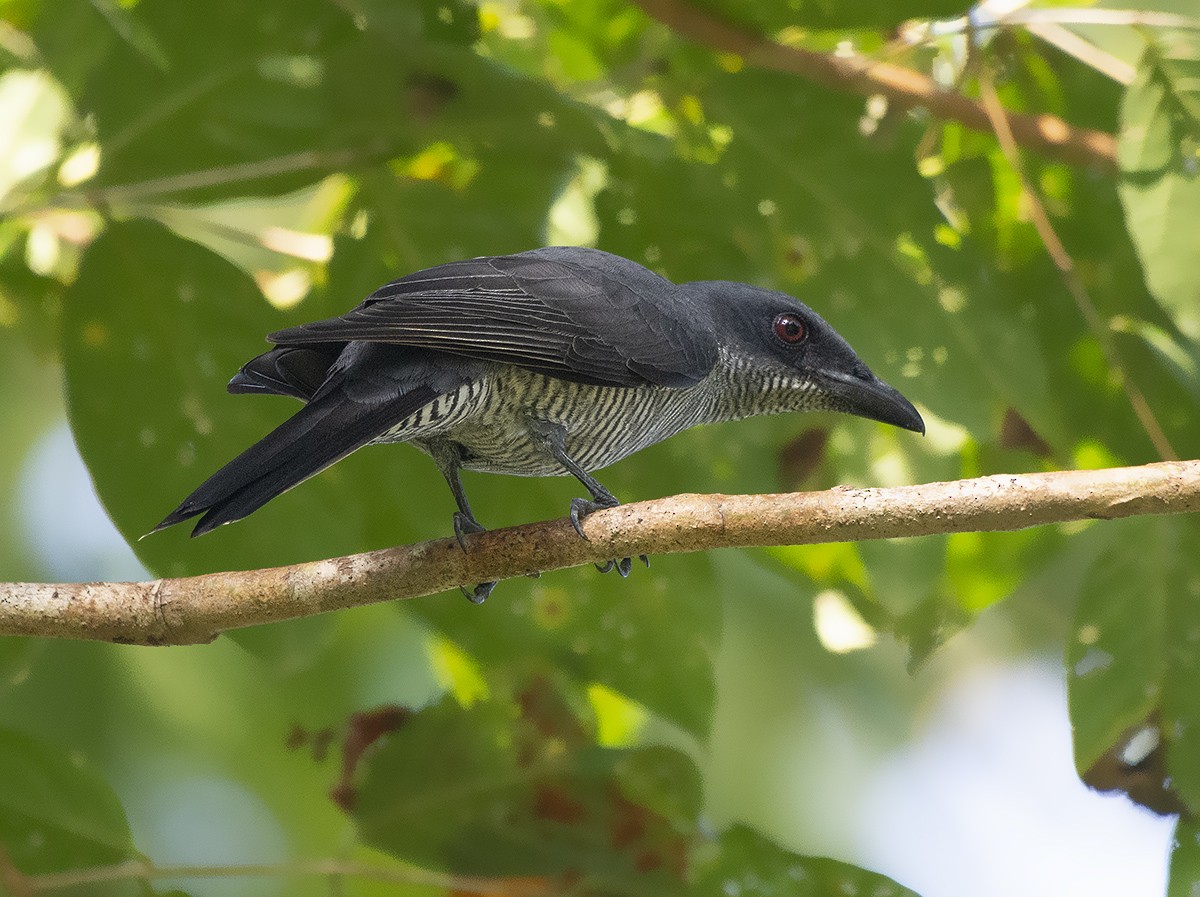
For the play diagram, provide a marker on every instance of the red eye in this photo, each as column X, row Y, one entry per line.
column 790, row 328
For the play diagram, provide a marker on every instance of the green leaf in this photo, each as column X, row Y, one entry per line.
column 133, row 32
column 744, row 863
column 1185, row 859
column 651, row 637
column 502, row 789
column 791, row 199
column 253, row 96
column 154, row 327
column 1181, row 685
column 1115, row 660
column 1159, row 155
column 56, row 812
column 1136, row 648
column 17, row 656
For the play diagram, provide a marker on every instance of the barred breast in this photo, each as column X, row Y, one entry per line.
column 490, row 417
column 603, row 424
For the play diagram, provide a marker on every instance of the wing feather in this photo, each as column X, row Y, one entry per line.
column 576, row 313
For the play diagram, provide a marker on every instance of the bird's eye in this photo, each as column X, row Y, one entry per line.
column 790, row 328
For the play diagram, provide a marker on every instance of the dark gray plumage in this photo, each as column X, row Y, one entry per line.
column 550, row 362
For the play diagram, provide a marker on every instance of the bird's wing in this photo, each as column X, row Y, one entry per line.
column 578, row 314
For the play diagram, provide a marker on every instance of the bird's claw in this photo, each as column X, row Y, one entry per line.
column 624, row 565
column 582, row 507
column 480, row 593
column 465, row 525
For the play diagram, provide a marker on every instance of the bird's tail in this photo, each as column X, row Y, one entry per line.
column 323, row 432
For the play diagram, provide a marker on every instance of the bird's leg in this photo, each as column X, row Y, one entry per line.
column 448, row 457
column 554, row 438
column 464, row 519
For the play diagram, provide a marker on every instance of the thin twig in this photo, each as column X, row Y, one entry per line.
column 197, row 609
column 13, row 882
column 1000, row 119
column 140, row 870
column 224, row 175
column 1047, row 134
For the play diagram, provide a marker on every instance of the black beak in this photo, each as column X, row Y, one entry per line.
column 871, row 398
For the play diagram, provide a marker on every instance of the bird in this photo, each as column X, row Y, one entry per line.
column 557, row 361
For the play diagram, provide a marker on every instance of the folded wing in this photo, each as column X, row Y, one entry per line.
column 575, row 313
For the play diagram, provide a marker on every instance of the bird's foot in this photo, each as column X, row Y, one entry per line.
column 465, row 525
column 480, row 593
column 623, row 565
column 581, row 507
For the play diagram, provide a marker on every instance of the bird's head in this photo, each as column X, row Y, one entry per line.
column 795, row 357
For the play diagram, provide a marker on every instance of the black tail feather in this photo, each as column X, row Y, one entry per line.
column 296, row 371
column 320, row 434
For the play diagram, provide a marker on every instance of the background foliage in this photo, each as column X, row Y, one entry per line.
column 178, row 179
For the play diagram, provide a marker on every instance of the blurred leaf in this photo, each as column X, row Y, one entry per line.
column 1136, row 649
column 72, row 39
column 746, row 864
column 1115, row 660
column 57, row 813
column 530, row 798
column 133, row 32
column 1159, row 154
column 154, row 327
column 30, row 303
column 1181, row 696
column 218, row 103
column 497, row 790
column 1179, row 357
column 17, row 656
column 1185, row 859
column 34, row 110
column 651, row 637
column 291, row 646
column 793, row 202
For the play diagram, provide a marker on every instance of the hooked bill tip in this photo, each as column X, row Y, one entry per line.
column 873, row 399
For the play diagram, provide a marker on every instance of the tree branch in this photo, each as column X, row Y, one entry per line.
column 1044, row 133
column 197, row 609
